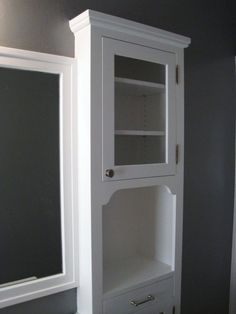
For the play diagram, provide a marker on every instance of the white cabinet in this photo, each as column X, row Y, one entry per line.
column 130, row 117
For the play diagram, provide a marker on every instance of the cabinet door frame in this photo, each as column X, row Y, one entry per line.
column 112, row 47
column 33, row 61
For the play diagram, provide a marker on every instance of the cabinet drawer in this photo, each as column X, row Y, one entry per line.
column 151, row 299
column 165, row 306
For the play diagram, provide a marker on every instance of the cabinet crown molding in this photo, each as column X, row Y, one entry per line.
column 105, row 21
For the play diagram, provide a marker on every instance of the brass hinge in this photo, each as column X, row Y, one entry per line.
column 177, row 154
column 177, row 74
column 173, row 310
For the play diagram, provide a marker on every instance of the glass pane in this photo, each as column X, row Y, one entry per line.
column 140, row 112
column 134, row 150
column 30, row 225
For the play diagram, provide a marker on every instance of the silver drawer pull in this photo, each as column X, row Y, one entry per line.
column 148, row 299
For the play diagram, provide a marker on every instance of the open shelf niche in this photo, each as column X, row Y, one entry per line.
column 138, row 238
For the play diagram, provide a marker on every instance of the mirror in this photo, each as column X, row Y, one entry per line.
column 30, row 232
column 37, row 220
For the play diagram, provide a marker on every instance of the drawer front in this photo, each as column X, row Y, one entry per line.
column 163, row 307
column 151, row 299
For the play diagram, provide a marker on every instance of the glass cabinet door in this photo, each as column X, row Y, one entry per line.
column 138, row 111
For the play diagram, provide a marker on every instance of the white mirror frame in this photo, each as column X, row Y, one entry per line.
column 63, row 66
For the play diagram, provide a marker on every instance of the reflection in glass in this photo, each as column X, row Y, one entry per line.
column 30, row 224
column 140, row 112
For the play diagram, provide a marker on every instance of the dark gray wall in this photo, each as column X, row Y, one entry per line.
column 209, row 126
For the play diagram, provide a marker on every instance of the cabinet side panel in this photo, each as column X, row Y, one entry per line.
column 83, row 52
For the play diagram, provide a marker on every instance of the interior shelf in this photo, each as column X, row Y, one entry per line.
column 120, row 276
column 139, row 88
column 139, row 133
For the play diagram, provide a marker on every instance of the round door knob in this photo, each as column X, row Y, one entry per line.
column 109, row 173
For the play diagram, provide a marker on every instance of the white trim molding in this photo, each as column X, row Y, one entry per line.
column 90, row 17
column 232, row 301
column 63, row 66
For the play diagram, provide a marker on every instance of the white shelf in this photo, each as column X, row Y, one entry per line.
column 122, row 275
column 138, row 88
column 139, row 133
column 139, row 83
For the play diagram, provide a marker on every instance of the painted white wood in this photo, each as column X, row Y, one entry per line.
column 138, row 222
column 122, row 275
column 139, row 111
column 32, row 61
column 105, row 21
column 11, row 283
column 148, row 87
column 85, row 292
column 178, row 218
column 163, row 307
column 34, row 56
column 110, row 49
column 137, row 238
column 139, row 133
column 232, row 301
column 96, row 254
column 161, row 291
